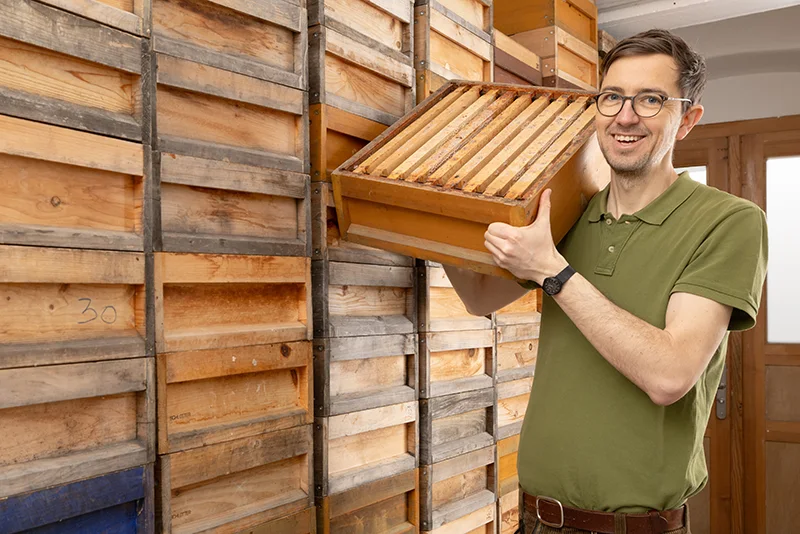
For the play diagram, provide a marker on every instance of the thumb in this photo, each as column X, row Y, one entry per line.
column 544, row 208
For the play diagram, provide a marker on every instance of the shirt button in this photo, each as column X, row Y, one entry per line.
column 611, row 249
column 609, row 221
column 627, row 222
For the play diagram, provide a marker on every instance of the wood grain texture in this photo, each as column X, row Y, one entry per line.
column 298, row 523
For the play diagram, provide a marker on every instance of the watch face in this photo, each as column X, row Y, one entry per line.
column 551, row 285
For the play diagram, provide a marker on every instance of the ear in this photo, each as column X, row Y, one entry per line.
column 689, row 120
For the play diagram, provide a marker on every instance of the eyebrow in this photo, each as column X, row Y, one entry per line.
column 645, row 90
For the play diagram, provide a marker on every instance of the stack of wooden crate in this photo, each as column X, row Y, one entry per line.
column 517, row 330
column 77, row 401
column 563, row 33
column 231, row 268
column 365, row 344
column 452, row 40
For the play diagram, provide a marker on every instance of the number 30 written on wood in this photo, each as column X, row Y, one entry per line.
column 108, row 315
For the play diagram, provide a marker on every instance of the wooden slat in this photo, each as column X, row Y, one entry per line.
column 404, row 170
column 516, row 50
column 69, row 266
column 123, row 16
column 508, row 154
column 215, row 269
column 519, row 188
column 359, row 422
column 277, row 12
column 352, row 274
column 460, row 35
column 363, row 55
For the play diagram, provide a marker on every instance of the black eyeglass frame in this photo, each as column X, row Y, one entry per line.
column 664, row 100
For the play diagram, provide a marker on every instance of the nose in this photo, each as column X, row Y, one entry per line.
column 626, row 115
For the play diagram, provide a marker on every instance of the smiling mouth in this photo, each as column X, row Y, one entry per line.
column 627, row 140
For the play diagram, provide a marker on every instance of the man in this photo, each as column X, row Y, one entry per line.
column 633, row 343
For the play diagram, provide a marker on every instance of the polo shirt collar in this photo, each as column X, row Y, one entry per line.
column 658, row 210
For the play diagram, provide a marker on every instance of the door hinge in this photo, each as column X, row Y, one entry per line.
column 722, row 394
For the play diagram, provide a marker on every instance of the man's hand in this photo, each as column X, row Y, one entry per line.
column 527, row 252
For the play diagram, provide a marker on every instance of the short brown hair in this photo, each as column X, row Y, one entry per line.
column 691, row 65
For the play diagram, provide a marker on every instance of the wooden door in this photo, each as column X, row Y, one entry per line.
column 708, row 161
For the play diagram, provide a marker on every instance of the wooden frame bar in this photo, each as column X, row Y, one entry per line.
column 114, row 402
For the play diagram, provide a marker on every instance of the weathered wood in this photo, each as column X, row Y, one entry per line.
column 360, row 373
column 439, row 308
column 299, row 523
column 457, row 361
column 563, row 56
column 210, row 396
column 507, row 449
column 242, row 36
column 215, row 301
column 358, row 448
column 388, row 505
column 578, row 17
column 237, row 484
column 513, row 63
column 457, row 487
column 109, row 502
column 508, row 512
column 456, row 424
column 74, row 421
column 448, row 224
column 512, row 402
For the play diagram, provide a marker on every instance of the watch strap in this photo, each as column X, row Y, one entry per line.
column 566, row 274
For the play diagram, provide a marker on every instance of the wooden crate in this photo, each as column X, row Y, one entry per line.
column 353, row 299
column 267, row 40
column 456, row 424
column 215, row 395
column 299, row 523
column 235, row 485
column 454, row 362
column 69, row 306
column 605, row 42
column 517, row 348
column 513, row 63
column 471, row 155
column 75, row 421
column 386, row 506
column 61, row 187
column 508, row 485
column 85, row 76
column 460, row 488
column 439, row 308
column 567, row 61
column 119, row 502
column 577, row 17
column 210, row 301
column 336, row 136
column 358, row 448
column 452, row 41
column 327, row 241
column 512, row 402
column 524, row 310
column 360, row 57
column 360, row 373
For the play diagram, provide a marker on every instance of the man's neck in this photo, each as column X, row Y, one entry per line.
column 628, row 194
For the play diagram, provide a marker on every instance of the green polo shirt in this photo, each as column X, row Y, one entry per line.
column 593, row 439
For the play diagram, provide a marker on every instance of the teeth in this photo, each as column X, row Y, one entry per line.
column 627, row 137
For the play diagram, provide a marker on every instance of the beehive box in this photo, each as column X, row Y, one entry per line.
column 386, row 506
column 215, row 395
column 513, row 63
column 300, row 523
column 360, row 57
column 471, row 155
column 524, row 310
column 354, row 299
column 512, row 402
column 327, row 241
column 567, row 61
column 508, row 492
column 358, row 448
column 457, row 424
column 74, row 421
column 360, row 373
column 517, row 348
column 70, row 306
column 452, row 40
column 118, row 502
column 458, row 361
column 439, row 308
column 235, row 485
column 211, row 301
column 460, row 494
column 577, row 17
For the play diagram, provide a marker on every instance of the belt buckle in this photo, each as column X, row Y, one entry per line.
column 560, row 509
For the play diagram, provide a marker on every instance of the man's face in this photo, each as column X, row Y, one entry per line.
column 633, row 145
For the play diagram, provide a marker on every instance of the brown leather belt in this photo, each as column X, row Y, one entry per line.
column 552, row 513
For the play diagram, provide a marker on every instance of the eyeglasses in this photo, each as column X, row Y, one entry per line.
column 645, row 105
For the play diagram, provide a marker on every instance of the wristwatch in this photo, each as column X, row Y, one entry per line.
column 553, row 284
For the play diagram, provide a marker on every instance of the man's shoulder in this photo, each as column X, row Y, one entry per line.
column 708, row 202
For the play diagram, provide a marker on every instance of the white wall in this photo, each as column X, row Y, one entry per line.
column 752, row 96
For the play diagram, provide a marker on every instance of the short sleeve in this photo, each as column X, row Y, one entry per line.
column 730, row 265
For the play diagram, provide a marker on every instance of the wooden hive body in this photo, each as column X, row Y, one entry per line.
column 472, row 154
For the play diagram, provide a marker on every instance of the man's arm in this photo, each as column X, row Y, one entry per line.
column 483, row 294
column 664, row 363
